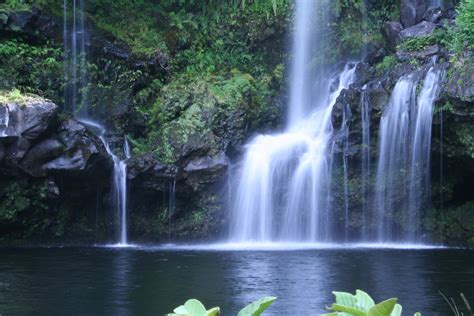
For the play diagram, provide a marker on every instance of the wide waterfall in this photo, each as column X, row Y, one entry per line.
column 76, row 100
column 283, row 193
column 403, row 169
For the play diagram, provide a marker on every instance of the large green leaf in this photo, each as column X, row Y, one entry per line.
column 194, row 307
column 397, row 311
column 345, row 299
column 364, row 301
column 213, row 311
column 256, row 308
column 346, row 309
column 384, row 308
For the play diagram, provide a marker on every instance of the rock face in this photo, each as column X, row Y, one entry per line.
column 34, row 143
column 422, row 29
column 21, row 123
column 391, row 32
column 412, row 11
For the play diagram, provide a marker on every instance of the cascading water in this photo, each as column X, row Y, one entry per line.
column 284, row 182
column 4, row 120
column 421, row 152
column 75, row 62
column 76, row 100
column 365, row 155
column 404, row 158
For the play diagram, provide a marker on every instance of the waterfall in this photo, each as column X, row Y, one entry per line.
column 75, row 61
column 365, row 155
column 76, row 100
column 283, row 184
column 346, row 114
column 4, row 120
column 403, row 179
column 420, row 168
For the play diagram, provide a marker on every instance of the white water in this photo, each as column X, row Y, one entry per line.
column 76, row 99
column 5, row 121
column 119, row 179
column 403, row 171
column 365, row 154
column 75, row 65
column 420, row 167
column 283, row 189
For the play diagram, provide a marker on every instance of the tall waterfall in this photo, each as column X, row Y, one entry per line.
column 365, row 155
column 283, row 191
column 403, row 169
column 75, row 60
column 76, row 100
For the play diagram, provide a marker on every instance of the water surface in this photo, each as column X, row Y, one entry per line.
column 152, row 281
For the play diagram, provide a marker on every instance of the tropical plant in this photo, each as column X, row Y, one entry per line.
column 194, row 307
column 361, row 304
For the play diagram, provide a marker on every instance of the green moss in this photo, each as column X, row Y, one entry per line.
column 31, row 68
column 387, row 63
column 15, row 96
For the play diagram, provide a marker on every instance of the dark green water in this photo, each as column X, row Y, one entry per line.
column 111, row 281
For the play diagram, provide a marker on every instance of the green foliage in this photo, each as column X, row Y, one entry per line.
column 387, row 63
column 464, row 31
column 31, row 68
column 194, row 307
column 355, row 24
column 15, row 96
column 24, row 204
column 455, row 224
column 361, row 304
column 258, row 307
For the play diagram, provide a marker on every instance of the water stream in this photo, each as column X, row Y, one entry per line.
column 403, row 169
column 77, row 101
column 284, row 181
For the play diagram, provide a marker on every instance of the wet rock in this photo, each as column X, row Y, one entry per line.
column 422, row 29
column 363, row 74
column 412, row 11
column 434, row 15
column 391, row 32
column 53, row 189
column 79, row 147
column 421, row 55
column 21, row 123
column 377, row 95
column 205, row 170
column 146, row 172
column 40, row 154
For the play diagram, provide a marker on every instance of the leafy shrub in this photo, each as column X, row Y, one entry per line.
column 464, row 34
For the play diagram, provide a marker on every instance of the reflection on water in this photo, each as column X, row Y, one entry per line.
column 151, row 281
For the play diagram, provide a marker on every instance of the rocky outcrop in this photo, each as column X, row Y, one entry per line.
column 34, row 143
column 391, row 32
column 412, row 11
column 422, row 29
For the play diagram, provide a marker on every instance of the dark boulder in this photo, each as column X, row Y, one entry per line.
column 80, row 146
column 434, row 15
column 422, row 29
column 391, row 32
column 22, row 121
column 40, row 154
column 363, row 74
column 421, row 55
column 147, row 173
column 203, row 171
column 412, row 11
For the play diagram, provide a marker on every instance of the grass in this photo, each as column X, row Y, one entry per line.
column 15, row 96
